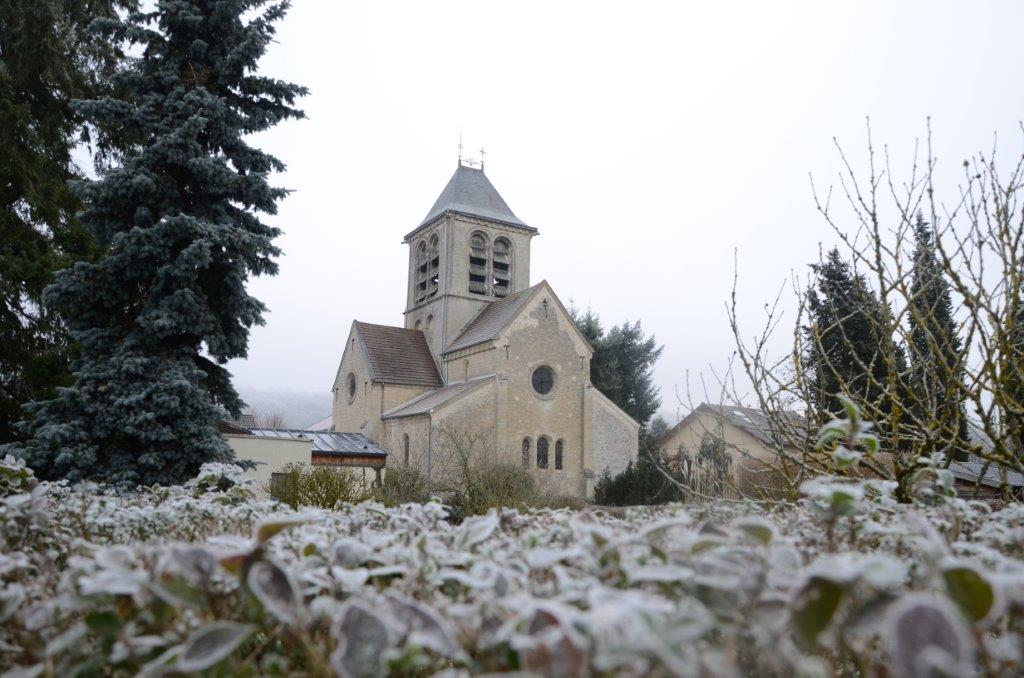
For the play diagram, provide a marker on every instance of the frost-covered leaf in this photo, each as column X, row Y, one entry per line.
column 927, row 637
column 815, row 605
column 211, row 644
column 424, row 627
column 272, row 586
column 476, row 529
column 268, row 528
column 362, row 637
column 757, row 529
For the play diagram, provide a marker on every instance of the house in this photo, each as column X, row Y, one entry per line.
column 724, row 447
column 484, row 359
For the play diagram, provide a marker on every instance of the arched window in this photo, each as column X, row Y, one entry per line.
column 559, row 461
column 478, row 272
column 433, row 267
column 405, row 448
column 421, row 271
column 501, row 267
column 542, row 452
column 526, row 452
column 351, row 386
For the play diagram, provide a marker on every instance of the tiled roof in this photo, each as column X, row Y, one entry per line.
column 756, row 422
column 322, row 424
column 989, row 474
column 751, row 420
column 470, row 192
column 398, row 355
column 326, row 442
column 491, row 320
column 434, row 399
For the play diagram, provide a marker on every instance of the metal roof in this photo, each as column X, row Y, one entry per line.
column 434, row 399
column 470, row 192
column 491, row 320
column 398, row 355
column 326, row 442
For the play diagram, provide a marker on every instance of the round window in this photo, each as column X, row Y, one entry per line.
column 351, row 386
column 543, row 380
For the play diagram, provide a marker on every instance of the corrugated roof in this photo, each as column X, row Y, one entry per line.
column 491, row 320
column 433, row 399
column 326, row 442
column 470, row 192
column 398, row 355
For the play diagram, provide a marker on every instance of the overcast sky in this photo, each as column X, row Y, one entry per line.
column 646, row 142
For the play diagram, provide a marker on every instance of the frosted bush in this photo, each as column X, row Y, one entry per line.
column 184, row 579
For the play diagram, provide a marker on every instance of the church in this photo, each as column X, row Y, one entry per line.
column 483, row 357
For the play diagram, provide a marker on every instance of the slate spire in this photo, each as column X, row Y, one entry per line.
column 470, row 192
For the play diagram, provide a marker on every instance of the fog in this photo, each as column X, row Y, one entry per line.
column 649, row 144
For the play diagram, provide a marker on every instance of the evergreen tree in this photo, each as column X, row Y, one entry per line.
column 48, row 57
column 846, row 340
column 622, row 366
column 158, row 316
column 935, row 350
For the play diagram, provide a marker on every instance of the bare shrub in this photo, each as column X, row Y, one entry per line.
column 939, row 275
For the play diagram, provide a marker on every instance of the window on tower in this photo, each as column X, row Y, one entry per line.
column 421, row 271
column 478, row 273
column 433, row 267
column 501, row 266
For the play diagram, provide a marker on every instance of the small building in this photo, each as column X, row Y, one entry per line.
column 720, row 448
column 272, row 449
column 980, row 479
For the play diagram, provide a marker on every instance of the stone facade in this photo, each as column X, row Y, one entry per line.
column 514, row 370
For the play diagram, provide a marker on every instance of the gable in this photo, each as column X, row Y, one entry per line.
column 494, row 319
column 392, row 355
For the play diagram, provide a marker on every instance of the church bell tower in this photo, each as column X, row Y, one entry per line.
column 468, row 252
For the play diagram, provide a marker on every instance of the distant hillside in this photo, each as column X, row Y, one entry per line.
column 293, row 409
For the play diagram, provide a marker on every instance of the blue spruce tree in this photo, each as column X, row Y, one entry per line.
column 164, row 308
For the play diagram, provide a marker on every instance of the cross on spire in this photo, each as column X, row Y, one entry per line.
column 482, row 153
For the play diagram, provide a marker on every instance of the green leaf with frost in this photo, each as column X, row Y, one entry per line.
column 972, row 593
column 815, row 606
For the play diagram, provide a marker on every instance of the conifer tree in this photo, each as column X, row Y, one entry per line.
column 622, row 366
column 935, row 350
column 48, row 57
column 166, row 306
column 845, row 341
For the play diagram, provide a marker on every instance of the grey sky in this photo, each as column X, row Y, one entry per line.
column 645, row 141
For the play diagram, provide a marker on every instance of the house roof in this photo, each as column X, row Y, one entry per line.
column 491, row 320
column 753, row 421
column 398, row 356
column 326, row 442
column 985, row 473
column 431, row 400
column 470, row 192
column 322, row 424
